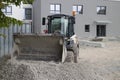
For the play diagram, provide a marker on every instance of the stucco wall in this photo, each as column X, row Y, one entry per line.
column 89, row 16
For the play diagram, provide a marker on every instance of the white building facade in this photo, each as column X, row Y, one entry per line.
column 94, row 18
column 22, row 12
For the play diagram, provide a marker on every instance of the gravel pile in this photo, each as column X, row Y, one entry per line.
column 94, row 64
column 66, row 71
column 40, row 70
column 10, row 71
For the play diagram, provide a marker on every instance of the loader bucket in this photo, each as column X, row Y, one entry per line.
column 40, row 47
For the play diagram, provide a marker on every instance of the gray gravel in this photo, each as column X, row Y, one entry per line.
column 39, row 70
column 16, row 72
column 94, row 64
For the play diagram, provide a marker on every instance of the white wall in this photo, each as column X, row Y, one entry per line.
column 18, row 12
column 89, row 15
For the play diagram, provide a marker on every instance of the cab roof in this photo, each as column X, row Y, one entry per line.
column 60, row 15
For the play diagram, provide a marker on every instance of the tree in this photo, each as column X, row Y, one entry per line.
column 6, row 21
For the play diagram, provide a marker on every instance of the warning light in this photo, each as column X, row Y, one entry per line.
column 73, row 13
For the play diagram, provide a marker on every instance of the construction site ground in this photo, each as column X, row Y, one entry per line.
column 94, row 64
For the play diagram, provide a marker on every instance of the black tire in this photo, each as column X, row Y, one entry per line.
column 70, row 56
column 73, row 55
column 76, row 54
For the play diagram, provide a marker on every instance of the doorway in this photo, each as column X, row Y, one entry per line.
column 101, row 30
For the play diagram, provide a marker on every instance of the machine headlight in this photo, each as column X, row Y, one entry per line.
column 71, row 42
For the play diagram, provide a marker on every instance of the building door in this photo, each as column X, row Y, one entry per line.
column 101, row 30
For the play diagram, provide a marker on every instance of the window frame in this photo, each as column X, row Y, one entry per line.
column 5, row 10
column 100, row 7
column 30, row 14
column 87, row 28
column 77, row 9
column 55, row 11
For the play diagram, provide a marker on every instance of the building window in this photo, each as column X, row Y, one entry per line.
column 101, row 10
column 78, row 9
column 87, row 28
column 28, row 13
column 7, row 10
column 55, row 8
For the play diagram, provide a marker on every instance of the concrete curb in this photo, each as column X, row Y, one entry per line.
column 92, row 44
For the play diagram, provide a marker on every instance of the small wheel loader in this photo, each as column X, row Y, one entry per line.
column 53, row 45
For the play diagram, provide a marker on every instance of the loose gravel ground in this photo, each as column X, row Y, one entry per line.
column 94, row 64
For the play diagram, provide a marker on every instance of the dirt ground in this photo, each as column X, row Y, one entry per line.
column 94, row 64
column 105, row 62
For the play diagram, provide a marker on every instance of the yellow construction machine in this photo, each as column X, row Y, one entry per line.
column 53, row 45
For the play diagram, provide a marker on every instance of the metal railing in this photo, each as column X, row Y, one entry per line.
column 6, row 43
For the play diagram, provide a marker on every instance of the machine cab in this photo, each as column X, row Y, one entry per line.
column 62, row 24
